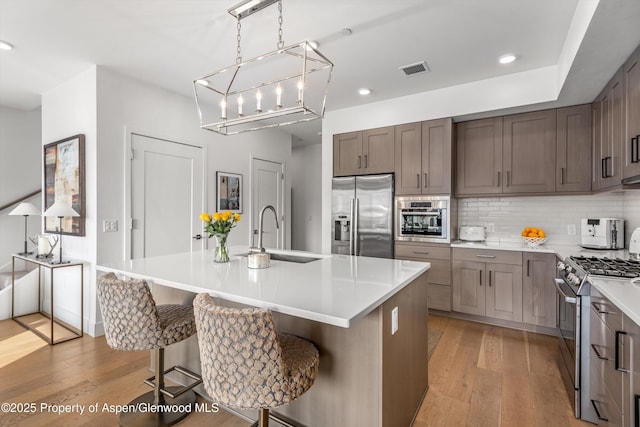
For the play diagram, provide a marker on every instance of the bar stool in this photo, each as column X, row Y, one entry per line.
column 132, row 321
column 246, row 364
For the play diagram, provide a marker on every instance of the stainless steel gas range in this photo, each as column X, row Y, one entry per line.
column 574, row 301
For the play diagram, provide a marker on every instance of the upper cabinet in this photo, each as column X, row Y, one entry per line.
column 631, row 89
column 573, row 149
column 479, row 157
column 529, row 152
column 423, row 154
column 364, row 152
column 511, row 154
column 608, row 131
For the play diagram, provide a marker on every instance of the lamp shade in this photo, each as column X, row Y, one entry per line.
column 25, row 209
column 60, row 209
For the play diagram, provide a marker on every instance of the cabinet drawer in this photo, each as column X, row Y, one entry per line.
column 422, row 251
column 488, row 255
column 439, row 297
column 609, row 313
column 608, row 413
column 602, row 344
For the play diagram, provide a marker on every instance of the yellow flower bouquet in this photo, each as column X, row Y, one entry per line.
column 219, row 225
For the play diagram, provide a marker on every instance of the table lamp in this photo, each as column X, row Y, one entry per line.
column 60, row 209
column 25, row 209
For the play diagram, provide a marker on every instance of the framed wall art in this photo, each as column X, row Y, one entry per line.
column 64, row 180
column 229, row 187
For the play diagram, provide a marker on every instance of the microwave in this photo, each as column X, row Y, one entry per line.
column 423, row 219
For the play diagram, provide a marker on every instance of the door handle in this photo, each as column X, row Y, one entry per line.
column 634, row 149
column 359, row 162
column 561, row 176
column 499, row 181
column 617, row 363
column 417, row 180
column 489, row 278
column 600, row 417
column 421, row 253
column 597, row 352
column 508, row 177
column 366, row 160
column 197, row 236
column 567, row 298
column 480, row 271
column 485, row 256
column 425, row 180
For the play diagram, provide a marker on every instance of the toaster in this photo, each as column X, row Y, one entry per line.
column 602, row 233
column 472, row 233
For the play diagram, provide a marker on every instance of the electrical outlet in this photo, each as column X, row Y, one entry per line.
column 571, row 229
column 491, row 227
column 109, row 226
column 394, row 320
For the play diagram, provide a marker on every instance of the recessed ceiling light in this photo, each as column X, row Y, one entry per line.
column 364, row 91
column 5, row 45
column 507, row 58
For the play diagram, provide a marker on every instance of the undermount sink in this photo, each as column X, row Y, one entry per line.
column 289, row 258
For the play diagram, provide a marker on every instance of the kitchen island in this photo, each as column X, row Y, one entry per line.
column 368, row 375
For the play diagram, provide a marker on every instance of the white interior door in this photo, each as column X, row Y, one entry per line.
column 167, row 197
column 267, row 188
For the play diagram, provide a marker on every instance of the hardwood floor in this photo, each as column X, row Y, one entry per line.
column 479, row 375
column 483, row 375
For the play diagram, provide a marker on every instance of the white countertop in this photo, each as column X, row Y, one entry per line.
column 336, row 289
column 624, row 294
column 562, row 251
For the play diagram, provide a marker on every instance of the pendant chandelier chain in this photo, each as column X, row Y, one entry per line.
column 239, row 56
column 280, row 39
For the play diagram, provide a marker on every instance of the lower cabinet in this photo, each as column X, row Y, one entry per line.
column 538, row 291
column 487, row 283
column 631, row 379
column 439, row 277
column 607, row 365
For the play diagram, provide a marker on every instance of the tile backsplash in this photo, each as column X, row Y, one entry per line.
column 505, row 217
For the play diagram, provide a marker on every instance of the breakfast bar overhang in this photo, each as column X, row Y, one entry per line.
column 369, row 375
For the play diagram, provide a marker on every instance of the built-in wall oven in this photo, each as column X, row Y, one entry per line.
column 425, row 218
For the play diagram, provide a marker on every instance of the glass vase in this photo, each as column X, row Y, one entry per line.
column 221, row 253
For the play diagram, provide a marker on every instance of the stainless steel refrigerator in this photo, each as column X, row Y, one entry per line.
column 362, row 216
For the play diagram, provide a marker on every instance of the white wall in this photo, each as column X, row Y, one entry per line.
column 306, row 211
column 68, row 110
column 631, row 209
column 20, row 174
column 126, row 105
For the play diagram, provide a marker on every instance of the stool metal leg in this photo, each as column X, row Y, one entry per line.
column 177, row 408
column 263, row 417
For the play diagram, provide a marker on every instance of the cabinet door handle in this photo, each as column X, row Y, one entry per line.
column 489, row 278
column 485, row 256
column 561, row 176
column 425, row 180
column 359, row 162
column 598, row 307
column 600, row 417
column 528, row 262
column 637, row 157
column 421, row 253
column 597, row 352
column 366, row 162
column 617, row 364
column 508, row 177
column 499, row 181
column 603, row 168
column 417, row 180
column 480, row 272
column 634, row 149
column 637, row 405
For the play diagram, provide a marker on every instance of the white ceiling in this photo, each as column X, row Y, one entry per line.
column 171, row 42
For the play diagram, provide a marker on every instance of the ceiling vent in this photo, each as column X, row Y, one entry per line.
column 413, row 69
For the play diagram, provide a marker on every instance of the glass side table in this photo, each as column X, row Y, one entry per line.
column 45, row 324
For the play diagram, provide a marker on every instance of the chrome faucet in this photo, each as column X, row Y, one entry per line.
column 275, row 216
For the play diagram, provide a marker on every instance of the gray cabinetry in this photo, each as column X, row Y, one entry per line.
column 631, row 379
column 606, row 379
column 423, row 157
column 573, row 149
column 529, row 152
column 631, row 87
column 487, row 283
column 439, row 277
column 608, row 134
column 479, row 157
column 538, row 291
column 364, row 152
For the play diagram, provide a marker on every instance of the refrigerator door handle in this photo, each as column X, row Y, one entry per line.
column 352, row 227
column 356, row 227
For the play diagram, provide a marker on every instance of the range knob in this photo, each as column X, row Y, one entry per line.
column 573, row 279
column 561, row 265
